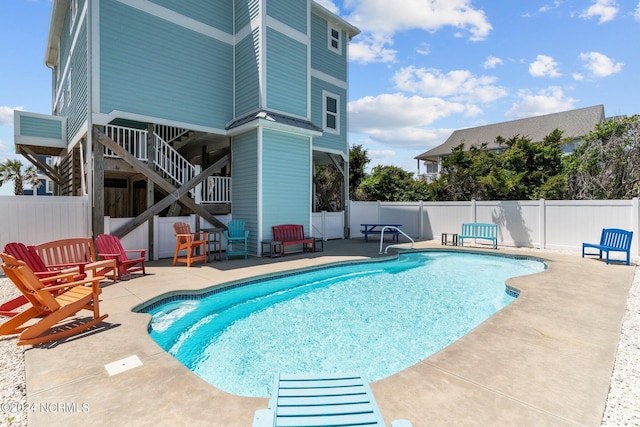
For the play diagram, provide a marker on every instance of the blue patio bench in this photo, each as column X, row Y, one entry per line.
column 478, row 230
column 612, row 240
column 322, row 400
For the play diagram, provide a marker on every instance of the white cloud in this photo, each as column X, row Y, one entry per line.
column 544, row 66
column 368, row 48
column 636, row 12
column 424, row 49
column 492, row 62
column 605, row 10
column 6, row 115
column 328, row 4
column 397, row 110
column 546, row 7
column 460, row 85
column 380, row 23
column 600, row 65
column 545, row 101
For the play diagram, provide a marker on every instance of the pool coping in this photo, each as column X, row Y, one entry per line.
column 544, row 359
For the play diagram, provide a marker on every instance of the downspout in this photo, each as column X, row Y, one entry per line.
column 89, row 156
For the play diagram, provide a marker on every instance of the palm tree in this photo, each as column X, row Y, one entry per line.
column 11, row 170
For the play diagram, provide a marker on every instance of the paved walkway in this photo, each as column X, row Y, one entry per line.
column 546, row 359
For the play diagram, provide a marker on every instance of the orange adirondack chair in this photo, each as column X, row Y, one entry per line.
column 55, row 309
column 48, row 275
column 189, row 241
column 109, row 247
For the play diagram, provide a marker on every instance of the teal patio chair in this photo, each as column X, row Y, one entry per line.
column 236, row 236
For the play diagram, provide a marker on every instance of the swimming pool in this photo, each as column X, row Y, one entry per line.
column 376, row 318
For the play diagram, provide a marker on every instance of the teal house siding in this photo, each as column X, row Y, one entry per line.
column 217, row 14
column 290, row 12
column 286, row 183
column 244, row 185
column 166, row 71
column 322, row 58
column 75, row 87
column 246, row 11
column 247, row 82
column 41, row 128
column 329, row 140
column 286, row 74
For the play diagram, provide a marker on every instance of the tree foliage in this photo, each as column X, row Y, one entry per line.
column 358, row 161
column 12, row 170
column 607, row 164
column 520, row 170
column 391, row 183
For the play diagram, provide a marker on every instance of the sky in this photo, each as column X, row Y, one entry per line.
column 419, row 69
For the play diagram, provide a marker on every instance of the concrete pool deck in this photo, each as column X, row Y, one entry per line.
column 546, row 359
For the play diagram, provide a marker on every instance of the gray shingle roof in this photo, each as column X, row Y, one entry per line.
column 574, row 123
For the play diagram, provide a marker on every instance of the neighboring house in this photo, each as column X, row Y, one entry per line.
column 46, row 184
column 574, row 124
column 226, row 105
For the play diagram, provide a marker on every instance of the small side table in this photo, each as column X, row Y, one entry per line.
column 450, row 239
column 214, row 239
column 318, row 244
column 275, row 248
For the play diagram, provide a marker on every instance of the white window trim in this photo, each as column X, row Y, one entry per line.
column 330, row 38
column 326, row 94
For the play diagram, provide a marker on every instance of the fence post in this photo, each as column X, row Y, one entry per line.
column 635, row 220
column 421, row 218
column 543, row 224
column 473, row 210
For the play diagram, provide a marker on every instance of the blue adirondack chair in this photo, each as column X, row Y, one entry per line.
column 236, row 237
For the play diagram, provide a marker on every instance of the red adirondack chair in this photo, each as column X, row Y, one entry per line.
column 48, row 275
column 109, row 247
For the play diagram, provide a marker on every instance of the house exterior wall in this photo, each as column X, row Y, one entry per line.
column 329, row 141
column 245, row 12
column 70, row 79
column 292, row 13
column 323, row 59
column 286, row 68
column 286, row 182
column 245, row 158
column 328, row 75
column 247, row 77
column 171, row 71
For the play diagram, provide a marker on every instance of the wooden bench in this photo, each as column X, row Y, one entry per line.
column 377, row 229
column 78, row 251
column 612, row 240
column 292, row 234
column 478, row 230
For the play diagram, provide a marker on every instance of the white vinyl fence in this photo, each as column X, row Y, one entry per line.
column 546, row 224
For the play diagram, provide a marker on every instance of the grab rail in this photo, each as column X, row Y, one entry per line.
column 393, row 246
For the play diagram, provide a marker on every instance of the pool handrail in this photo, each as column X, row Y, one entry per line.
column 393, row 246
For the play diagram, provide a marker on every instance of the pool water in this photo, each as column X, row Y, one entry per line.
column 375, row 318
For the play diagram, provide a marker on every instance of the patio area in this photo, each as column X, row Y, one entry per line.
column 546, row 359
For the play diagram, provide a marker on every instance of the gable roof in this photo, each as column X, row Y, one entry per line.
column 574, row 123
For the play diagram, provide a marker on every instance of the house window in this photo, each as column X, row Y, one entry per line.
column 331, row 115
column 49, row 186
column 334, row 40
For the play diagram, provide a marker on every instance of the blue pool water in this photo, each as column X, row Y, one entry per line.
column 376, row 318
